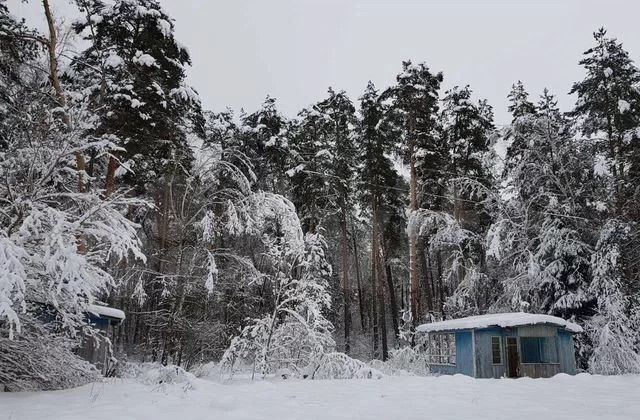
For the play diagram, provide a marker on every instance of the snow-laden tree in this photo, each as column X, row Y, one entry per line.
column 467, row 132
column 56, row 239
column 609, row 107
column 293, row 334
column 264, row 138
column 309, row 158
column 338, row 115
column 322, row 178
column 180, row 307
column 381, row 194
column 16, row 50
column 541, row 234
column 415, row 106
column 131, row 81
column 608, row 111
column 613, row 335
column 462, row 271
column 516, row 134
column 60, row 235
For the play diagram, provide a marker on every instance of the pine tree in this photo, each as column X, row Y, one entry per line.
column 381, row 194
column 545, row 228
column 609, row 105
column 18, row 46
column 522, row 111
column 339, row 115
column 132, row 79
column 520, row 106
column 415, row 103
column 467, row 129
column 265, row 141
column 612, row 333
column 44, row 216
column 322, row 176
column 309, row 160
column 608, row 108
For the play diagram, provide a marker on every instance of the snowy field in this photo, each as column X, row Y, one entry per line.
column 563, row 397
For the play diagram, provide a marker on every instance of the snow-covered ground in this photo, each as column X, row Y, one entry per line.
column 563, row 397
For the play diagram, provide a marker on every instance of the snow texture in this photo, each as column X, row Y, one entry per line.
column 106, row 311
column 144, row 59
column 623, row 106
column 504, row 320
column 583, row 397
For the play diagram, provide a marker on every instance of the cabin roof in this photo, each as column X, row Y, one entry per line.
column 106, row 312
column 503, row 320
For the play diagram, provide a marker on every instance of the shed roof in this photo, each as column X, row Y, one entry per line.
column 513, row 319
column 106, row 312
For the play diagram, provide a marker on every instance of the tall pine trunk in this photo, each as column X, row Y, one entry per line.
column 374, row 280
column 380, row 322
column 110, row 181
column 394, row 303
column 356, row 257
column 441, row 293
column 413, row 240
column 428, row 280
column 382, row 313
column 384, row 264
column 344, row 251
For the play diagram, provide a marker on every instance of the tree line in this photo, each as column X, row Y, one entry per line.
column 251, row 236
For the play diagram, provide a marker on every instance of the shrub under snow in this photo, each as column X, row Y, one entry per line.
column 157, row 374
column 206, row 370
column 38, row 359
column 405, row 360
column 340, row 366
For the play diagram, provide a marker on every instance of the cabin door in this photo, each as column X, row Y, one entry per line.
column 513, row 357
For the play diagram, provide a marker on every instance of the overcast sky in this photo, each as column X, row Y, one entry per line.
column 293, row 50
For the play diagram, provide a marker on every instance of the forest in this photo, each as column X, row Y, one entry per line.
column 311, row 244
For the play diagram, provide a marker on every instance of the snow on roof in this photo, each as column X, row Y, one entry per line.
column 106, row 311
column 498, row 320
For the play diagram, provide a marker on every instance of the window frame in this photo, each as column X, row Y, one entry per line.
column 445, row 355
column 493, row 362
column 543, row 342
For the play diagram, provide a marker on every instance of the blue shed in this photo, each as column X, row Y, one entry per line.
column 96, row 348
column 501, row 345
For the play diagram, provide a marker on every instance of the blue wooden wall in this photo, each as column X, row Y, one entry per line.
column 484, row 357
column 464, row 357
column 464, row 353
column 484, row 367
column 566, row 352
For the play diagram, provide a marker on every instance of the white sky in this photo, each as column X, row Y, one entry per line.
column 293, row 50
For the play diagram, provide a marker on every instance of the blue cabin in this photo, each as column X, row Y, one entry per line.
column 96, row 348
column 509, row 345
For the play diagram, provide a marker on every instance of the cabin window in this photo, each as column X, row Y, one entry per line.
column 538, row 350
column 442, row 349
column 496, row 350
